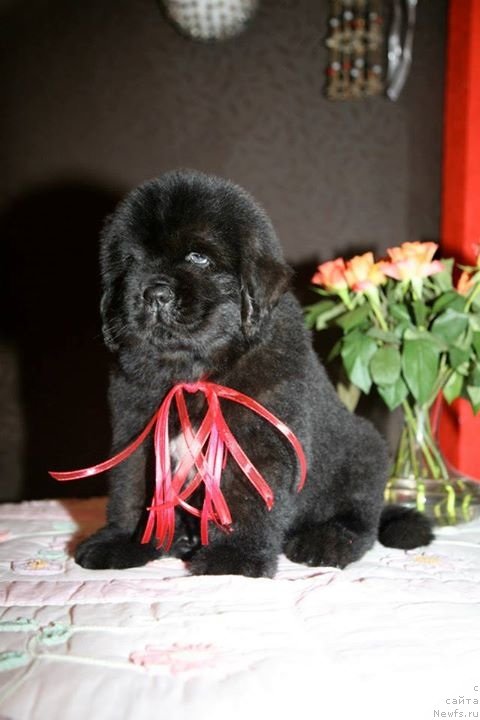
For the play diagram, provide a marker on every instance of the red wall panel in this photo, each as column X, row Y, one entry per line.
column 459, row 430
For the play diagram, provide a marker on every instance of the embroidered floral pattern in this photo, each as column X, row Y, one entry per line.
column 55, row 634
column 177, row 658
column 21, row 624
column 12, row 659
column 37, row 566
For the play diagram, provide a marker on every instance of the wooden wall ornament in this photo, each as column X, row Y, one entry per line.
column 355, row 45
column 359, row 65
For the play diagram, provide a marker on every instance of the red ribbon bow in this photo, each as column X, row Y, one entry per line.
column 208, row 450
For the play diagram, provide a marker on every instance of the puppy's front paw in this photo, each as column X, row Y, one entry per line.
column 223, row 559
column 330, row 544
column 111, row 548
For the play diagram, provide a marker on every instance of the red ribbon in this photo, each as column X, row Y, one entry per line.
column 208, row 450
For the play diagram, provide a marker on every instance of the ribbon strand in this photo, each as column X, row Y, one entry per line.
column 208, row 449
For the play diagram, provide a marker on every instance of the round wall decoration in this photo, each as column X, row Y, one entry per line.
column 210, row 20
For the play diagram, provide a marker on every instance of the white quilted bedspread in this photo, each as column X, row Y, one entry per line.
column 396, row 635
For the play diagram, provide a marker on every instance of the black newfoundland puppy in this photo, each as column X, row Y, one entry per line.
column 195, row 286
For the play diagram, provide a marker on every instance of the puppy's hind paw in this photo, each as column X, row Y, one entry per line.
column 111, row 548
column 405, row 528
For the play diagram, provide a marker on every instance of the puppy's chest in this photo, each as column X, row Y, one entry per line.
column 178, row 445
column 178, row 448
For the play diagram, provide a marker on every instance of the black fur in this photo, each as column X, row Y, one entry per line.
column 404, row 528
column 234, row 321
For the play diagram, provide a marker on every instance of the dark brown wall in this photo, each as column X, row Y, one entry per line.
column 98, row 96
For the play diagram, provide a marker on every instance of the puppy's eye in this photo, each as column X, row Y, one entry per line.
column 198, row 259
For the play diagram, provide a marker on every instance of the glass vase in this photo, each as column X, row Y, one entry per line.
column 421, row 479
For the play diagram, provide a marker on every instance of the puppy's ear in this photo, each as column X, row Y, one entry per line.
column 264, row 280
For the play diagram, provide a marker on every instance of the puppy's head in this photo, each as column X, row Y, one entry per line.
column 189, row 262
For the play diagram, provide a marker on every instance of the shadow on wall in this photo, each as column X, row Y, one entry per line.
column 51, row 319
column 50, row 283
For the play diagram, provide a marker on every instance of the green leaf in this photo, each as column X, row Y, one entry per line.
column 417, row 334
column 459, row 359
column 319, row 314
column 453, row 387
column 473, row 392
column 400, row 312
column 476, row 302
column 357, row 350
column 320, row 307
column 383, row 335
column 420, row 367
column 450, row 299
column 476, row 343
column 395, row 292
column 353, row 318
column 475, row 321
column 310, row 317
column 385, row 365
column 401, row 329
column 443, row 279
column 393, row 395
column 321, row 291
column 450, row 325
column 421, row 312
column 349, row 394
column 323, row 320
column 335, row 351
column 474, row 378
column 413, row 333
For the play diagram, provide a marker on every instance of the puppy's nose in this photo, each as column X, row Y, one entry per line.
column 158, row 294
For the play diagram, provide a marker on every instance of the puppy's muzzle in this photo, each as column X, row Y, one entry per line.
column 158, row 295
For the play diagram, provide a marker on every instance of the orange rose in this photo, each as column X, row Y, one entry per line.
column 331, row 275
column 362, row 273
column 465, row 283
column 412, row 260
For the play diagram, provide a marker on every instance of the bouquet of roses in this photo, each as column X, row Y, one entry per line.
column 408, row 329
